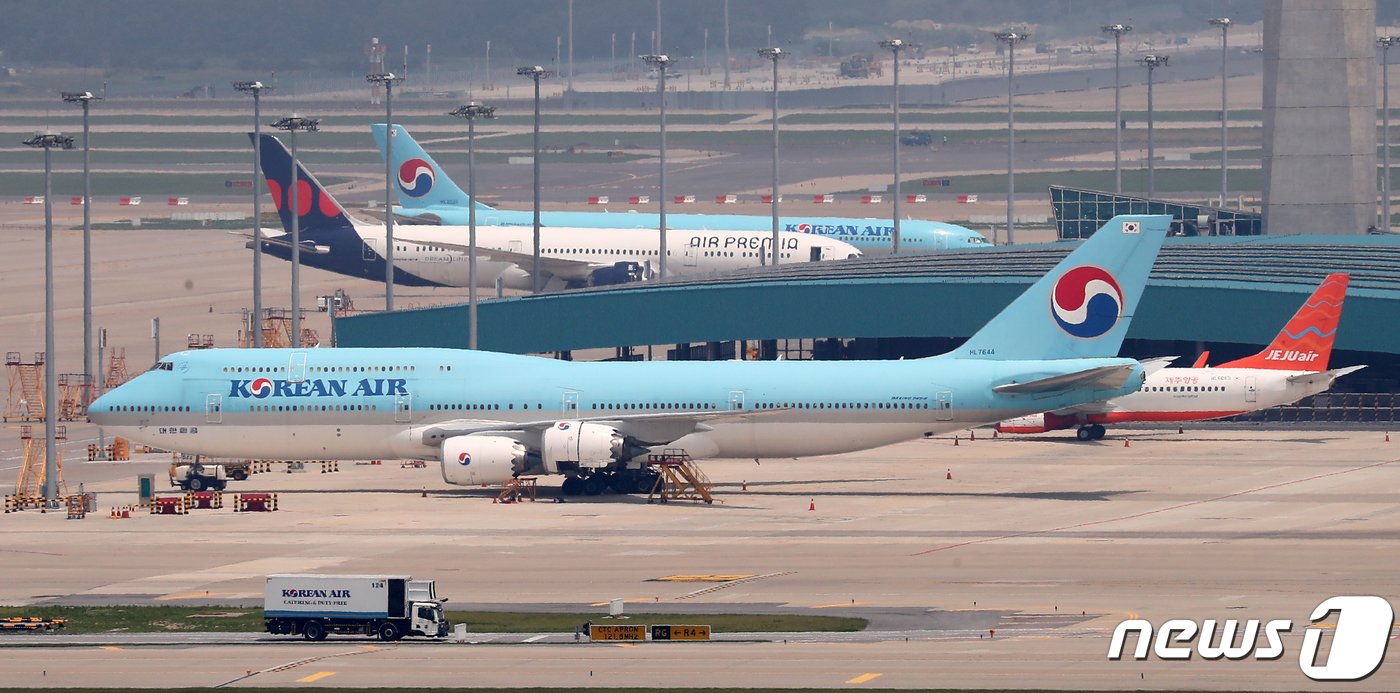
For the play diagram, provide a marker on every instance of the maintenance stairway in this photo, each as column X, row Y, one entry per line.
column 678, row 478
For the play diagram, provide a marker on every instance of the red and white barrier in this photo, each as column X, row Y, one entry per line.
column 684, row 199
column 768, row 199
column 130, row 201
column 178, row 201
column 916, row 198
column 598, row 200
column 967, row 199
column 76, row 200
column 871, row 199
column 33, row 199
column 823, row 199
column 726, row 199
column 639, row 200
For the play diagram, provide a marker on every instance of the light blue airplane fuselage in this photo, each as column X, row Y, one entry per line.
column 426, row 192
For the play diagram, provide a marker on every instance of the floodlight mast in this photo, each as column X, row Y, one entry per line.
column 895, row 46
column 388, row 79
column 471, row 112
column 1117, row 30
column 86, row 98
column 1151, row 61
column 661, row 63
column 1224, row 24
column 293, row 124
column 1011, row 38
column 535, row 73
column 1385, row 43
column 256, row 88
column 48, row 141
column 774, row 54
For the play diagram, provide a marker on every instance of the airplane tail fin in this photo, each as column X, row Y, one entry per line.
column 1082, row 308
column 318, row 210
column 421, row 182
column 1305, row 343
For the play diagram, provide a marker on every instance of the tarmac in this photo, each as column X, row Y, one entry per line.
column 1048, row 541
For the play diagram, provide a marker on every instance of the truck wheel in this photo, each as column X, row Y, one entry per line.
column 194, row 483
column 389, row 632
column 313, row 630
column 217, row 486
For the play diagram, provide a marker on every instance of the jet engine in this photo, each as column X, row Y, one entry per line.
column 482, row 460
column 618, row 273
column 1037, row 423
column 577, row 445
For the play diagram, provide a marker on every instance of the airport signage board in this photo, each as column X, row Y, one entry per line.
column 680, row 632
column 615, row 633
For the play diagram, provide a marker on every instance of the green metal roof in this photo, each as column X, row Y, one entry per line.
column 1214, row 290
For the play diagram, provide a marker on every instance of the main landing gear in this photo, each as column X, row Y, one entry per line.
column 622, row 482
column 1090, row 432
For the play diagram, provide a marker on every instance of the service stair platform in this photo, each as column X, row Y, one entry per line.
column 678, row 478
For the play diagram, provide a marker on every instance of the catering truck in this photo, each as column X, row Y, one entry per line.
column 390, row 606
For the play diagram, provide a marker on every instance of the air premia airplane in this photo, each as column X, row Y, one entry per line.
column 428, row 196
column 1292, row 367
column 437, row 255
column 489, row 416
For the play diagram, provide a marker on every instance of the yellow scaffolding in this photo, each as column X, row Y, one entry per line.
column 74, row 394
column 26, row 399
column 276, row 327
column 116, row 368
column 678, row 478
column 33, row 472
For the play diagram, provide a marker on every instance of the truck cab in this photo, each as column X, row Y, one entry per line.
column 428, row 620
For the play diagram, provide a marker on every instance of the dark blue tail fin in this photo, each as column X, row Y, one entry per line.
column 318, row 209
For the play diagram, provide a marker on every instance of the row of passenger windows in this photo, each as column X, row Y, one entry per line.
column 324, row 369
column 1188, row 388
column 842, row 405
column 149, row 408
column 477, row 407
column 313, row 407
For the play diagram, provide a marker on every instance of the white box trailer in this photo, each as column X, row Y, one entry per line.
column 390, row 606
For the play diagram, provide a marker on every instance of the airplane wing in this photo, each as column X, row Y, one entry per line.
column 559, row 267
column 1101, row 378
column 1323, row 376
column 652, row 429
column 282, row 240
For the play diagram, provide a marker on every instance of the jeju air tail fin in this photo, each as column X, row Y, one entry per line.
column 1305, row 343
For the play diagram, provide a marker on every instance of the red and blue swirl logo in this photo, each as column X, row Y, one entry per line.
column 563, row 425
column 416, row 177
column 464, row 459
column 260, row 388
column 1086, row 302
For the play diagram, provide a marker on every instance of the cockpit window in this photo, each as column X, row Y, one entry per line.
column 163, row 366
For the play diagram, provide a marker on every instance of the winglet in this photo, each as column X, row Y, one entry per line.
column 421, row 183
column 1305, row 343
column 1082, row 307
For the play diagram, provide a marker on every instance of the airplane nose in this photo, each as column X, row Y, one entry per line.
column 100, row 407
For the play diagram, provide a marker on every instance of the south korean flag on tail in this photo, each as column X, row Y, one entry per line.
column 1130, row 227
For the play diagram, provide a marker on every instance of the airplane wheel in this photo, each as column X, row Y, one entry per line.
column 646, row 482
column 1084, row 433
column 1097, row 432
column 573, row 486
column 594, row 485
column 621, row 483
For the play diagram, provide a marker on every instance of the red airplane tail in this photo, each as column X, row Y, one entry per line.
column 1305, row 343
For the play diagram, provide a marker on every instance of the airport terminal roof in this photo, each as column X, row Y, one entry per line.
column 1213, row 290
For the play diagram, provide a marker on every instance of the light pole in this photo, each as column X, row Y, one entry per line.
column 660, row 63
column 256, row 89
column 471, row 112
column 1117, row 30
column 292, row 124
column 1011, row 38
column 1385, row 42
column 1151, row 61
column 48, row 141
column 535, row 73
column 1224, row 24
column 86, row 98
column 388, row 79
column 774, row 54
column 895, row 45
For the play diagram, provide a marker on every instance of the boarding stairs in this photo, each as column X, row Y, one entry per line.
column 678, row 478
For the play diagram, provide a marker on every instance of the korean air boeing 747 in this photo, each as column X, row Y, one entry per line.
column 490, row 416
column 428, row 195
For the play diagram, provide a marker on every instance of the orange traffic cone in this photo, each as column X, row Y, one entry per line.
column 955, row 441
column 812, row 505
column 745, row 487
column 1180, row 429
column 1125, row 443
column 994, row 432
column 425, row 492
column 972, row 435
column 950, row 475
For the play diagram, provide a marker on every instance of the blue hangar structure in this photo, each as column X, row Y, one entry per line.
column 1230, row 295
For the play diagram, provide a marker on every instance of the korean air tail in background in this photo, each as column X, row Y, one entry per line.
column 1305, row 343
column 318, row 210
column 1083, row 307
column 420, row 182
